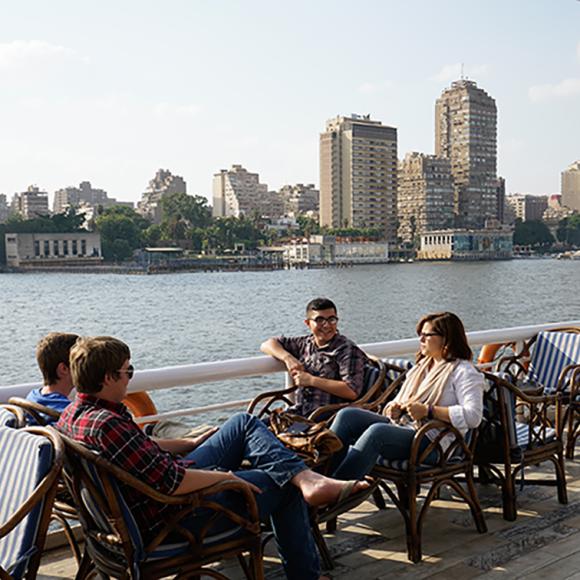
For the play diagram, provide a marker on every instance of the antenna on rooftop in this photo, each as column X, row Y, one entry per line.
column 462, row 75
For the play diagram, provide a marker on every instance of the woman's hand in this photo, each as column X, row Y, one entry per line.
column 394, row 410
column 417, row 411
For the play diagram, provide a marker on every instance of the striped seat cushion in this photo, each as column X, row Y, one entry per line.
column 523, row 434
column 7, row 419
column 552, row 352
column 24, row 462
column 398, row 362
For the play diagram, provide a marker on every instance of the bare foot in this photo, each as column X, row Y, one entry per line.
column 319, row 490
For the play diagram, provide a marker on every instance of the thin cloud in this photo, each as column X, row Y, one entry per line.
column 164, row 110
column 564, row 89
column 578, row 51
column 20, row 54
column 451, row 72
column 370, row 88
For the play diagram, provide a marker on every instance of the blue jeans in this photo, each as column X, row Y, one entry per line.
column 366, row 436
column 243, row 437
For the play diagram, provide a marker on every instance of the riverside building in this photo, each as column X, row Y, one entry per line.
column 571, row 186
column 466, row 134
column 50, row 250
column 425, row 195
column 526, row 207
column 84, row 196
column 238, row 192
column 358, row 175
column 4, row 210
column 299, row 199
column 161, row 185
column 31, row 203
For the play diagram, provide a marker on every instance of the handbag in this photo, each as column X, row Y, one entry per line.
column 313, row 442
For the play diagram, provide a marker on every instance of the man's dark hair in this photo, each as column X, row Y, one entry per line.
column 92, row 358
column 320, row 304
column 52, row 350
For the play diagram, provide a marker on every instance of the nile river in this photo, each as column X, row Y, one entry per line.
column 186, row 318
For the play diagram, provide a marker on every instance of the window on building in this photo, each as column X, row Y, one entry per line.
column 83, row 247
column 65, row 247
column 36, row 248
column 46, row 248
column 55, row 247
column 74, row 247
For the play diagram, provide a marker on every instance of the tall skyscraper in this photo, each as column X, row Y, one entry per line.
column 358, row 175
column 238, row 192
column 466, row 133
column 425, row 195
column 571, row 186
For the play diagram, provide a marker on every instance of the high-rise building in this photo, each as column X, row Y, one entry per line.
column 571, row 186
column 425, row 195
column 73, row 196
column 358, row 175
column 300, row 198
column 238, row 192
column 466, row 133
column 526, row 207
column 500, row 194
column 30, row 203
column 4, row 209
column 162, row 184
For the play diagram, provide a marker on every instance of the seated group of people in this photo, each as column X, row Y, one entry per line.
column 327, row 367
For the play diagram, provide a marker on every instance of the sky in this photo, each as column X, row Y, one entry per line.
column 111, row 91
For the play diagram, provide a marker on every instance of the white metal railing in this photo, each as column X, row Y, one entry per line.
column 208, row 372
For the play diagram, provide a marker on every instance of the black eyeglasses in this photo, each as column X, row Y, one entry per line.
column 130, row 370
column 320, row 320
column 427, row 334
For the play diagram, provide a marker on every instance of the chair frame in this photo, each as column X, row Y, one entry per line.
column 44, row 491
column 19, row 414
column 504, row 469
column 190, row 563
column 568, row 385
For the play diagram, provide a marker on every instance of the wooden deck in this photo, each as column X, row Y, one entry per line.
column 543, row 542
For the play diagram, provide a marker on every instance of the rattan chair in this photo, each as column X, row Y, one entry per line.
column 519, row 430
column 550, row 363
column 30, row 464
column 114, row 545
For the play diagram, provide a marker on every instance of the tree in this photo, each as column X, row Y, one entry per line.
column 308, row 225
column 121, row 230
column 532, row 233
column 568, row 231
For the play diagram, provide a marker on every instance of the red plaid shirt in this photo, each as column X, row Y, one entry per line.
column 109, row 429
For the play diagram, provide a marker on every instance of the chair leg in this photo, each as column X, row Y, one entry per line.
column 510, row 512
column 571, row 438
column 331, row 526
column 325, row 556
column 475, row 505
column 379, row 499
column 85, row 567
column 561, row 478
column 413, row 531
column 257, row 563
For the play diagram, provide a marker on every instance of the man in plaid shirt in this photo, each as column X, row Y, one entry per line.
column 101, row 371
column 327, row 366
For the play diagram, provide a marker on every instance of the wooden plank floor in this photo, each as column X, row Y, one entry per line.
column 544, row 542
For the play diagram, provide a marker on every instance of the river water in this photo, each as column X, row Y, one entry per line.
column 185, row 318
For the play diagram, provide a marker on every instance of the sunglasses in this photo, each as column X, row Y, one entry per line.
column 320, row 320
column 130, row 370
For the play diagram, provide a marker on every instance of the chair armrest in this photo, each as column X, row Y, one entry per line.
column 520, row 394
column 569, row 374
column 416, row 457
column 273, row 395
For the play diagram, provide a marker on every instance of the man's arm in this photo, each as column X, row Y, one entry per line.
column 338, row 388
column 273, row 348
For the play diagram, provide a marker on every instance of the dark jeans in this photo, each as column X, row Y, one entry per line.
column 366, row 436
column 243, row 437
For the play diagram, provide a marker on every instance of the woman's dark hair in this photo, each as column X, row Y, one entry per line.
column 320, row 304
column 451, row 329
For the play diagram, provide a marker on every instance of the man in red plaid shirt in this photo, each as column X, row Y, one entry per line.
column 101, row 371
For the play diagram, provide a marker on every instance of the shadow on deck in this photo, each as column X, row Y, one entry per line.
column 543, row 542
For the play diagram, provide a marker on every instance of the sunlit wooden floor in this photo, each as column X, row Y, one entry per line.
column 544, row 541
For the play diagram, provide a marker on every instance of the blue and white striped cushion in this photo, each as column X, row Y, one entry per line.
column 370, row 377
column 7, row 419
column 553, row 352
column 399, row 362
column 24, row 462
column 523, row 434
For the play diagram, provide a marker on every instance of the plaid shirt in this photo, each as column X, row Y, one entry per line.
column 341, row 360
column 109, row 429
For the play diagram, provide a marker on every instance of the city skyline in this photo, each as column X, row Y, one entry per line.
column 83, row 100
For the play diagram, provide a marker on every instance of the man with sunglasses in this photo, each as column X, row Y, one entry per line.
column 327, row 366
